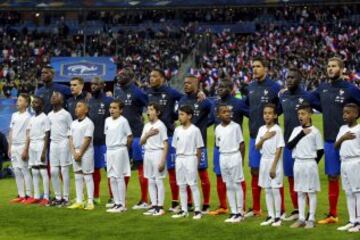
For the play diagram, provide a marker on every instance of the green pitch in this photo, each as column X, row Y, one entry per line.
column 35, row 222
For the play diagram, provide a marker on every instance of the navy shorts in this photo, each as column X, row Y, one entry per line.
column 99, row 156
column 288, row 162
column 204, row 159
column 170, row 160
column 254, row 155
column 137, row 151
column 332, row 159
column 216, row 162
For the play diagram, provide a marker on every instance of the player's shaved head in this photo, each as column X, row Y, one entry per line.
column 353, row 107
column 225, row 87
column 97, row 85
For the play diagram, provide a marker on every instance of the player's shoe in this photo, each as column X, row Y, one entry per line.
column 346, row 227
column 276, row 223
column 90, row 206
column 294, row 215
column 175, row 207
column 44, row 202
column 230, row 218
column 252, row 213
column 298, row 224
column 56, row 203
column 283, row 216
column 328, row 220
column 140, row 205
column 97, row 201
column 159, row 212
column 205, row 209
column 190, row 207
column 17, row 200
column 237, row 218
column 197, row 215
column 65, row 203
column 25, row 199
column 268, row 221
column 150, row 211
column 355, row 228
column 309, row 224
column 181, row 214
column 110, row 203
column 117, row 208
column 76, row 206
column 31, row 200
column 219, row 211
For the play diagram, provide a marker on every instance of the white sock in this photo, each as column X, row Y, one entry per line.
column 230, row 192
column 160, row 192
column 277, row 202
column 28, row 181
column 183, row 197
column 351, row 206
column 153, row 192
column 115, row 190
column 196, row 196
column 269, row 202
column 302, row 204
column 121, row 190
column 239, row 197
column 89, row 182
column 19, row 179
column 79, row 185
column 357, row 197
column 55, row 180
column 36, row 179
column 46, row 182
column 65, row 172
column 312, row 205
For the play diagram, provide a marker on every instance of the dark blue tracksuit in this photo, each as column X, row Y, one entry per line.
column 46, row 92
column 98, row 112
column 201, row 119
column 331, row 97
column 259, row 93
column 167, row 97
column 135, row 100
column 290, row 100
column 239, row 109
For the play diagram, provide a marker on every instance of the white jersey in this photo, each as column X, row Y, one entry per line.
column 269, row 147
column 38, row 126
column 18, row 125
column 350, row 148
column 228, row 138
column 307, row 147
column 155, row 142
column 116, row 131
column 60, row 123
column 187, row 141
column 81, row 129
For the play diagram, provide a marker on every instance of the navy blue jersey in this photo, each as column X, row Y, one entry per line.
column 202, row 112
column 134, row 100
column 167, row 97
column 72, row 101
column 98, row 112
column 46, row 92
column 260, row 93
column 290, row 101
column 237, row 106
column 331, row 98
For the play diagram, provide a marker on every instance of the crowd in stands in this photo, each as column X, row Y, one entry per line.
column 288, row 36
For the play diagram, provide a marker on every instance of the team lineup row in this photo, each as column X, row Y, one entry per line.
column 264, row 154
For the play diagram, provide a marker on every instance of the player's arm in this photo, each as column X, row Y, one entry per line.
column 46, row 142
column 347, row 136
column 129, row 141
column 9, row 142
column 84, row 146
column 242, row 151
column 265, row 137
column 25, row 153
column 164, row 156
column 198, row 155
column 72, row 146
column 294, row 141
column 275, row 162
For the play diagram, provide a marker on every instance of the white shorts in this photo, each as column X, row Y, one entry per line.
column 16, row 160
column 35, row 152
column 86, row 164
column 60, row 154
column 306, row 176
column 265, row 181
column 231, row 167
column 152, row 160
column 186, row 169
column 118, row 163
column 350, row 176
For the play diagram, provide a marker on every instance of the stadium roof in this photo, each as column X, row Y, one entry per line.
column 70, row 4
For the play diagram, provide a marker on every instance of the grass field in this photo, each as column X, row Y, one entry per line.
column 34, row 222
